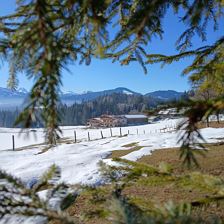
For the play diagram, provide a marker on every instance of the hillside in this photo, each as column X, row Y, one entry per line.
column 79, row 113
column 11, row 99
column 154, row 180
column 84, row 155
column 166, row 95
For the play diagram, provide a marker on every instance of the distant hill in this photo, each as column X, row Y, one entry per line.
column 79, row 113
column 166, row 95
column 11, row 99
column 88, row 96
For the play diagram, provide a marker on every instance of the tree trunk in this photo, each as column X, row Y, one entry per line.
column 217, row 115
column 207, row 121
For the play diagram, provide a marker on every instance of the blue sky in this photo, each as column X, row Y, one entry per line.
column 103, row 74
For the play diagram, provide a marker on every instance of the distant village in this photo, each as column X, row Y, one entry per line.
column 132, row 119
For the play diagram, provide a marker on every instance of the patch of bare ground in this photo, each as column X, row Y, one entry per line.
column 212, row 124
column 120, row 153
column 181, row 187
column 212, row 163
column 197, row 186
column 44, row 147
column 91, row 206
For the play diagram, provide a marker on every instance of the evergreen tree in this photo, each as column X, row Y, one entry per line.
column 42, row 36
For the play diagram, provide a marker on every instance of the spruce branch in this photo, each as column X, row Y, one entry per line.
column 21, row 203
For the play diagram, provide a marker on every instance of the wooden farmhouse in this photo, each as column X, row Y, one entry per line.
column 117, row 120
column 136, row 119
column 107, row 121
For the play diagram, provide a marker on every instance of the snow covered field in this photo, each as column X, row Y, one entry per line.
column 37, row 137
column 79, row 162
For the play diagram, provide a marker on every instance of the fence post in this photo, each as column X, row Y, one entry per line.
column 111, row 134
column 13, row 143
column 137, row 131
column 120, row 132
column 144, row 132
column 75, row 136
column 101, row 134
column 88, row 137
column 128, row 132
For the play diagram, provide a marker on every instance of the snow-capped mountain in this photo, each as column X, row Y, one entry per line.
column 22, row 90
column 67, row 92
column 4, row 92
column 13, row 99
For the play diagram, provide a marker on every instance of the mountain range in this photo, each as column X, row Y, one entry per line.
column 11, row 99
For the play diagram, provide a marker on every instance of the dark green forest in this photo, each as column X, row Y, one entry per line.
column 79, row 113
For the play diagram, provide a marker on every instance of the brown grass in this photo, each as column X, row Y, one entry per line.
column 146, row 191
column 130, row 145
column 212, row 124
column 120, row 153
column 175, row 190
column 212, row 163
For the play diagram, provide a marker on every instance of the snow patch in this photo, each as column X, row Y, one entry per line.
column 79, row 162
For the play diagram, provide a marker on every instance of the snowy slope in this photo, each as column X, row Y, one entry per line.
column 79, row 162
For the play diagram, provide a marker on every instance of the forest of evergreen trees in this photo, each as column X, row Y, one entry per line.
column 7, row 117
column 79, row 113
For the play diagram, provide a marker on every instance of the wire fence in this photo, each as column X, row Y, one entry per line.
column 92, row 135
column 85, row 135
column 80, row 134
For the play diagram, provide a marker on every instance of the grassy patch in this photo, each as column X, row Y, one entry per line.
column 65, row 141
column 211, row 164
column 91, row 206
column 120, row 153
column 46, row 147
column 33, row 146
column 157, row 179
column 212, row 124
column 130, row 145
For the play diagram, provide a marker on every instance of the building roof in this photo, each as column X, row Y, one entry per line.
column 129, row 116
column 172, row 111
column 95, row 119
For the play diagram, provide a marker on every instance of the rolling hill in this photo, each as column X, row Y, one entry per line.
column 11, row 99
